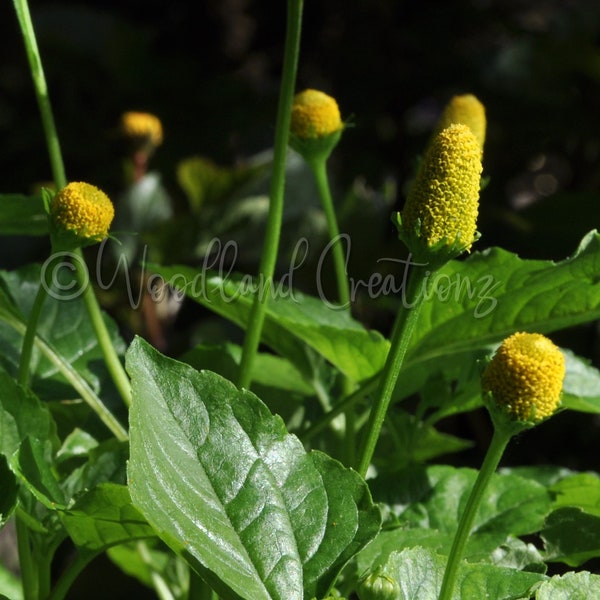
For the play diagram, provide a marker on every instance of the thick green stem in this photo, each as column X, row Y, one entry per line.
column 401, row 334
column 499, row 441
column 273, row 230
column 41, row 92
column 111, row 358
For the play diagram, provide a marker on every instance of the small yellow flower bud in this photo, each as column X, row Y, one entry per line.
column 443, row 202
column 315, row 115
column 142, row 126
column 82, row 209
column 525, row 376
column 469, row 111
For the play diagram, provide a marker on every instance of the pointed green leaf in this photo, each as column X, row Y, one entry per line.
column 225, row 485
column 292, row 319
column 22, row 415
column 495, row 293
column 571, row 536
column 104, row 517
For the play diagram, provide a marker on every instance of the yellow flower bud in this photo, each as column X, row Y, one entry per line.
column 143, row 126
column 469, row 111
column 82, row 209
column 315, row 115
column 443, row 202
column 525, row 376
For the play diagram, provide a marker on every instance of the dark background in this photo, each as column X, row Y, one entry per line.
column 210, row 70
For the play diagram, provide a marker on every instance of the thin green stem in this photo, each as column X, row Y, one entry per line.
column 29, row 337
column 73, row 377
column 273, row 229
column 41, row 92
column 319, row 169
column 111, row 358
column 401, row 334
column 29, row 570
column 499, row 441
column 158, row 582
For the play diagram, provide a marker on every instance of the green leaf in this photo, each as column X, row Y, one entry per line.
column 225, row 485
column 22, row 415
column 10, row 585
column 581, row 387
column 22, row 215
column 64, row 324
column 433, row 498
column 104, row 517
column 419, row 572
column 292, row 319
column 572, row 536
column 581, row 490
column 570, row 586
column 33, row 465
column 494, row 293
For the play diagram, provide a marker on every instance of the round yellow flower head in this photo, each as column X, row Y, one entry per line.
column 315, row 115
column 83, row 210
column 443, row 202
column 468, row 110
column 142, row 126
column 525, row 376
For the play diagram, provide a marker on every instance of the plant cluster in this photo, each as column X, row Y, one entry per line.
column 300, row 462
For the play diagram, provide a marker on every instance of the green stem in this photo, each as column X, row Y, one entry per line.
column 60, row 180
column 158, row 582
column 319, row 169
column 41, row 92
column 273, row 229
column 401, row 334
column 29, row 570
column 499, row 441
column 29, row 337
column 73, row 377
column 111, row 358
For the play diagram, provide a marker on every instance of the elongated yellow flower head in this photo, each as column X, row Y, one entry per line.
column 444, row 197
column 468, row 110
column 143, row 126
column 525, row 376
column 315, row 115
column 82, row 209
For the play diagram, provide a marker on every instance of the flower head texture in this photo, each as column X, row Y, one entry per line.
column 443, row 202
column 82, row 209
column 525, row 376
column 469, row 111
column 141, row 125
column 315, row 115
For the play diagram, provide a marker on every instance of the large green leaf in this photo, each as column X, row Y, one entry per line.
column 495, row 293
column 570, row 586
column 292, row 319
column 224, row 484
column 22, row 215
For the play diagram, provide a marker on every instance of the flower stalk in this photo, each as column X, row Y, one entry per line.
column 274, row 218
